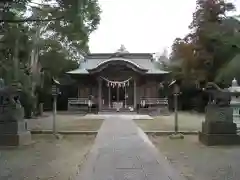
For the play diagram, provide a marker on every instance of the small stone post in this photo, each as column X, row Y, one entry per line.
column 54, row 94
column 54, row 114
column 176, row 113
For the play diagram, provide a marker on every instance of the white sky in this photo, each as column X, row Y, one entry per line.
column 142, row 25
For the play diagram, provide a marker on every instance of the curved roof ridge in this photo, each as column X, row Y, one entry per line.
column 120, row 59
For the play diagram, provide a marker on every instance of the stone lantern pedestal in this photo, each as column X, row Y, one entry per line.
column 236, row 112
column 235, row 102
column 13, row 131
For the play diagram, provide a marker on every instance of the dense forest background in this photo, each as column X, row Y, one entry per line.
column 43, row 40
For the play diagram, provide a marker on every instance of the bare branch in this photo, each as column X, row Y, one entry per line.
column 29, row 20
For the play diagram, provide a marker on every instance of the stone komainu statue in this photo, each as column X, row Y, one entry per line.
column 218, row 96
column 10, row 106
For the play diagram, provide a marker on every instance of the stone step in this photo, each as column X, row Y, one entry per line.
column 114, row 110
column 117, row 113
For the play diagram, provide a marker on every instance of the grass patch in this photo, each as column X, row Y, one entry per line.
column 81, row 125
column 186, row 122
column 66, row 123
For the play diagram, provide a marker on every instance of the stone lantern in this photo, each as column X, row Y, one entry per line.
column 235, row 101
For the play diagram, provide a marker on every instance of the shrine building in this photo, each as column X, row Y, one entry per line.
column 119, row 78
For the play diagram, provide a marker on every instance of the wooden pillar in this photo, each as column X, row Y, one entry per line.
column 125, row 97
column 109, row 96
column 99, row 94
column 135, row 93
column 117, row 93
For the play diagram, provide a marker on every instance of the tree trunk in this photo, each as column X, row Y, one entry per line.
column 16, row 61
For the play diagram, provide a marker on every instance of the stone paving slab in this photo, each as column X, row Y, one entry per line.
column 128, row 116
column 122, row 151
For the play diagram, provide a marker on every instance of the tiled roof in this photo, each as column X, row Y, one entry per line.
column 237, row 17
column 78, row 71
column 143, row 62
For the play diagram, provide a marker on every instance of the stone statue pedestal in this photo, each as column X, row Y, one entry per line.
column 219, row 128
column 13, row 129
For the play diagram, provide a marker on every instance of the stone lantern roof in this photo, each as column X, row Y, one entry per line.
column 234, row 83
column 235, row 87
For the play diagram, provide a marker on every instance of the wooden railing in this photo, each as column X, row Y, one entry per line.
column 81, row 104
column 154, row 101
column 153, row 106
column 77, row 101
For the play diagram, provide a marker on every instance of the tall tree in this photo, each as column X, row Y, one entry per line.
column 208, row 47
column 207, row 19
column 54, row 35
column 79, row 19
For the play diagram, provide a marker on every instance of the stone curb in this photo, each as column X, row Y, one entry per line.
column 167, row 133
column 157, row 133
column 64, row 132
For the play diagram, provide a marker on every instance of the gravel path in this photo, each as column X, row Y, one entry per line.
column 46, row 159
column 198, row 162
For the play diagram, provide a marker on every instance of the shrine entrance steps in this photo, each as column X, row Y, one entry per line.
column 123, row 151
column 106, row 110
